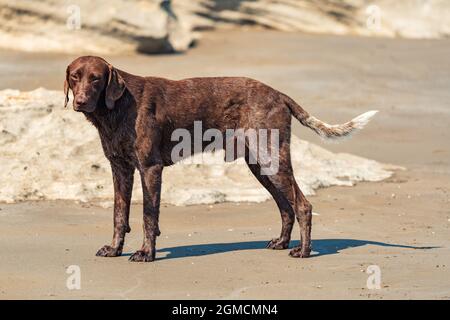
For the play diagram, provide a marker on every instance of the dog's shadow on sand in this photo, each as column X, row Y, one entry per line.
column 321, row 247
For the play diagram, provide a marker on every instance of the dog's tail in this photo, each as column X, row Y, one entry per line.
column 325, row 130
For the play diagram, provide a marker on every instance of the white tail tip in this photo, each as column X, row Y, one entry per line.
column 360, row 121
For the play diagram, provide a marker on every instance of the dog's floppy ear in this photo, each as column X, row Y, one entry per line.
column 66, row 88
column 114, row 88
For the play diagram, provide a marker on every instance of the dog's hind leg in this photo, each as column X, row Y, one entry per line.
column 303, row 213
column 287, row 185
column 286, row 211
column 283, row 180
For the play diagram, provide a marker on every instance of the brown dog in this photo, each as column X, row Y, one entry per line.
column 136, row 116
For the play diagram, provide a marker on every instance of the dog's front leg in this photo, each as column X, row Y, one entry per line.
column 151, row 189
column 123, row 186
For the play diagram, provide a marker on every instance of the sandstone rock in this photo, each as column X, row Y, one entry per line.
column 387, row 18
column 83, row 26
column 155, row 26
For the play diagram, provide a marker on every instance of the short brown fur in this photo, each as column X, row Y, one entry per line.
column 135, row 117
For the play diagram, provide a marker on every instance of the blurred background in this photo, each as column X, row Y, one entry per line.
column 161, row 26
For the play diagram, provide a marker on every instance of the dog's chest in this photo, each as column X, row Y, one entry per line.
column 118, row 143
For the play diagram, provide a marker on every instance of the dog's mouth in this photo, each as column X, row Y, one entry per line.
column 87, row 109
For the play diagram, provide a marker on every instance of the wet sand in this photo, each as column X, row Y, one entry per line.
column 401, row 224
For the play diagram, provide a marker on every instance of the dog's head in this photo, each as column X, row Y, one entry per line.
column 91, row 80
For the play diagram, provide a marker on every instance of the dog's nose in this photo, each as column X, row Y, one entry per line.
column 80, row 101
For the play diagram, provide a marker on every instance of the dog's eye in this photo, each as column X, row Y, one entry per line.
column 74, row 76
column 95, row 79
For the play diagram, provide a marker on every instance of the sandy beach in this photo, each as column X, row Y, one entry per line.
column 400, row 224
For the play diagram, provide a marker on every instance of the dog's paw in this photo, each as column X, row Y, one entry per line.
column 142, row 256
column 299, row 252
column 277, row 244
column 108, row 251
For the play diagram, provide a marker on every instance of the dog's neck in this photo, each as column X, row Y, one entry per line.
column 108, row 121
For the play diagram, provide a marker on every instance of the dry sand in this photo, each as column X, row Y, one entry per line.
column 400, row 224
